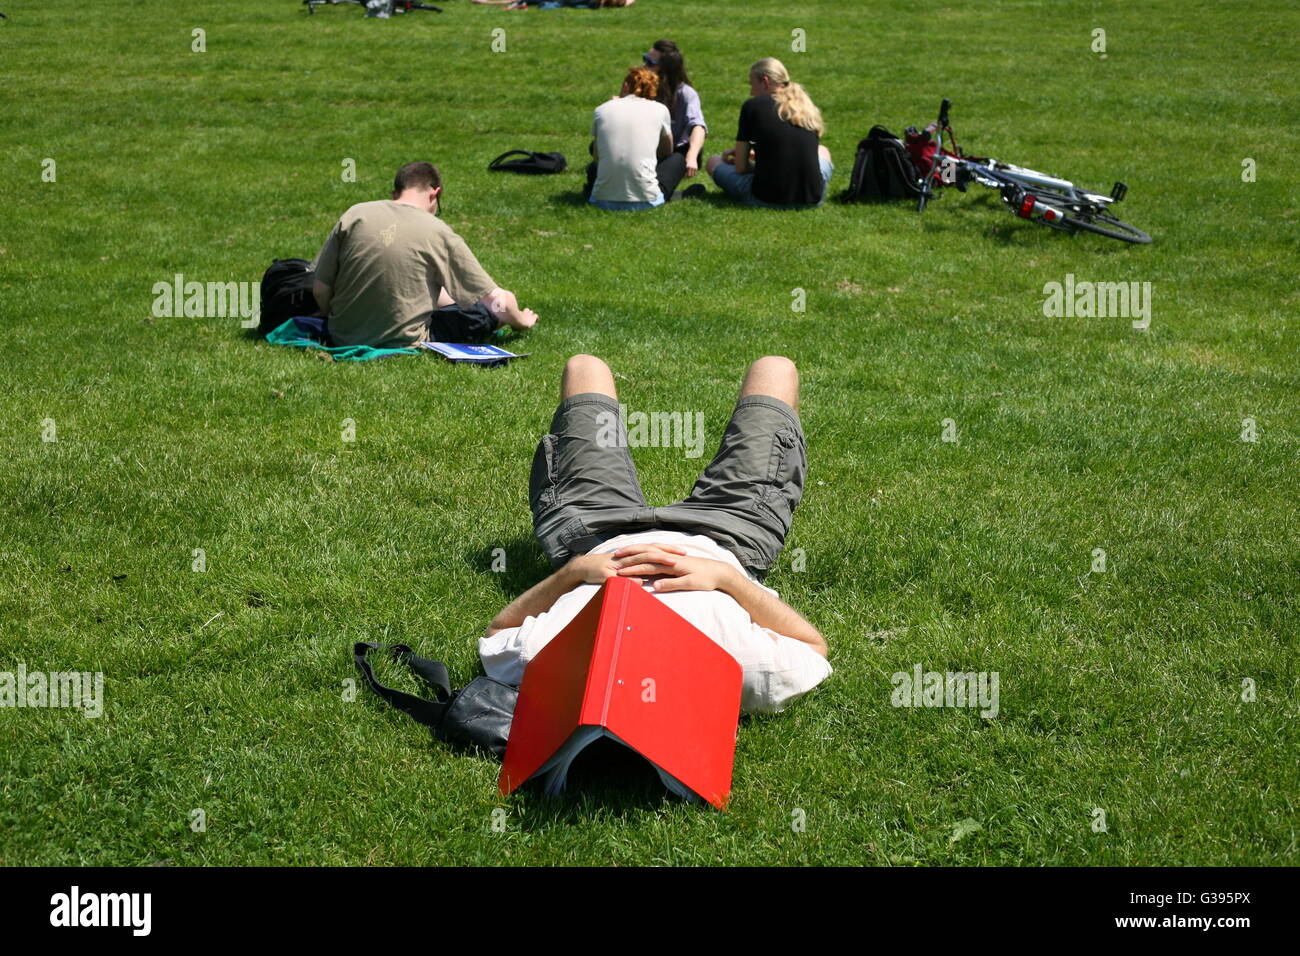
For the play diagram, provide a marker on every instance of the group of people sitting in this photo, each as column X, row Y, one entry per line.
column 392, row 274
column 649, row 137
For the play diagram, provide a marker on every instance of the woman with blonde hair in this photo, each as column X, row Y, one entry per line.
column 778, row 159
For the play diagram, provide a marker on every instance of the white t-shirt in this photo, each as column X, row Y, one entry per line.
column 627, row 133
column 777, row 669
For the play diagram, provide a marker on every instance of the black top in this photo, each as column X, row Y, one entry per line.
column 788, row 172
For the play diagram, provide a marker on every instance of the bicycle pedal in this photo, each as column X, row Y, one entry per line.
column 1119, row 191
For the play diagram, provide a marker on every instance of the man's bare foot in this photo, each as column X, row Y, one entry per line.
column 526, row 319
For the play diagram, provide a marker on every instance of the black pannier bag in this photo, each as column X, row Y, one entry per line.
column 882, row 170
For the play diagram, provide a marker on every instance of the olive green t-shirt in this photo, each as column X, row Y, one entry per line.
column 385, row 263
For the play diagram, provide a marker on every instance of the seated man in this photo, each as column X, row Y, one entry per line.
column 391, row 274
column 702, row 556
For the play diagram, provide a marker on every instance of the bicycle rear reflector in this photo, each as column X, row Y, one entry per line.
column 1032, row 207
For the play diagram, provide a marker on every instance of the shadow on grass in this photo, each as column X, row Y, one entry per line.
column 516, row 566
column 568, row 198
column 606, row 778
column 983, row 215
column 712, row 197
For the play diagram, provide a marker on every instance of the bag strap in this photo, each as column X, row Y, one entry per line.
column 496, row 163
column 427, row 712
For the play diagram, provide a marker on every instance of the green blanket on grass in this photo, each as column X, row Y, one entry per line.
column 290, row 334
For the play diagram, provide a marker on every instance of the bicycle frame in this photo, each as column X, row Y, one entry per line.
column 998, row 173
column 1031, row 194
column 940, row 127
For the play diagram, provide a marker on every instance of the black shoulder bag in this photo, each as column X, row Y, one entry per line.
column 477, row 715
column 529, row 163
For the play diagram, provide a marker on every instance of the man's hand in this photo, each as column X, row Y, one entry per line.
column 672, row 568
column 591, row 569
column 729, row 156
column 692, row 165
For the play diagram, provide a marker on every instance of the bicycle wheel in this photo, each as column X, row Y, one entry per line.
column 1087, row 217
column 1108, row 226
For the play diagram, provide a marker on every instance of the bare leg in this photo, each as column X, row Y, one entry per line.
column 762, row 457
column 586, row 373
column 823, row 152
column 578, row 472
column 772, row 375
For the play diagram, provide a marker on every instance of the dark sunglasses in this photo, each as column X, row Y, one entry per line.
column 649, row 62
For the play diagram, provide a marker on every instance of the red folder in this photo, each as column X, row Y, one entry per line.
column 629, row 667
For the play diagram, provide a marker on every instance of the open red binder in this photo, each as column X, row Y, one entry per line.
column 629, row 667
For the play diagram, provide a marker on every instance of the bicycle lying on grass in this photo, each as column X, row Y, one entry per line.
column 374, row 8
column 1032, row 195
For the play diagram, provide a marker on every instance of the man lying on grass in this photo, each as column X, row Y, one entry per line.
column 703, row 556
column 391, row 274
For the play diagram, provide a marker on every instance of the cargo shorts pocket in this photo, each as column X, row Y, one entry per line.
column 541, row 480
column 574, row 537
column 783, row 488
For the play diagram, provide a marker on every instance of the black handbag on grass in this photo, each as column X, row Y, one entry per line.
column 529, row 162
column 477, row 715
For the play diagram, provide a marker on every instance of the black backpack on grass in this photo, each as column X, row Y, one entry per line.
column 286, row 293
column 883, row 170
column 529, row 162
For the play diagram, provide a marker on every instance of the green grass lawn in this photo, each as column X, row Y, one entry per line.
column 1120, row 691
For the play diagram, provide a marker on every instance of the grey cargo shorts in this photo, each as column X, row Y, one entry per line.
column 583, row 489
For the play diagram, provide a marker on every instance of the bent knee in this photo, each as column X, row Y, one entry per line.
column 585, row 363
column 775, row 365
